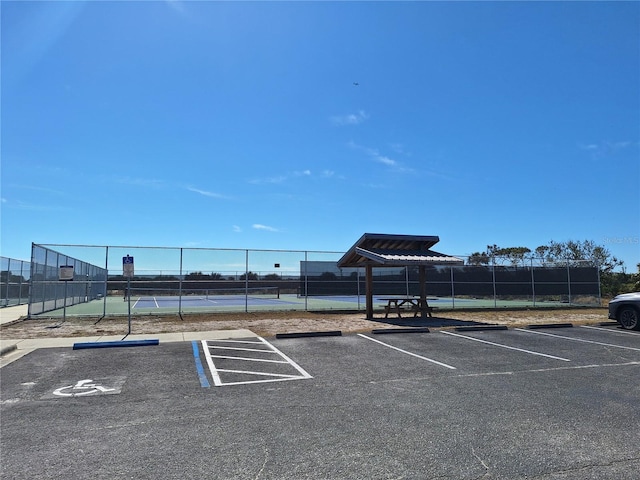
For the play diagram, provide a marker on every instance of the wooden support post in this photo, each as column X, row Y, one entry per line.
column 423, row 292
column 369, row 290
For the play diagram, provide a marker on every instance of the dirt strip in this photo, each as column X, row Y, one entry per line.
column 270, row 323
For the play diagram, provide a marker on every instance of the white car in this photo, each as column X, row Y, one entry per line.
column 625, row 309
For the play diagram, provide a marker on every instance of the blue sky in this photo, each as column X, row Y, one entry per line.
column 267, row 125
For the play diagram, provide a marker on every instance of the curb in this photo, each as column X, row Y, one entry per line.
column 381, row 331
column 121, row 343
column 333, row 333
column 549, row 325
column 8, row 349
column 607, row 324
column 481, row 327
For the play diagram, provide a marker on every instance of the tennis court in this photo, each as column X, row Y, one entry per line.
column 173, row 281
column 211, row 298
column 160, row 304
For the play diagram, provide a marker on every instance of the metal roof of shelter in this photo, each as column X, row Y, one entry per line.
column 395, row 250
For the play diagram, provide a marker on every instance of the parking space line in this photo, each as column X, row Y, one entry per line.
column 578, row 339
column 554, row 369
column 273, row 377
column 506, row 346
column 408, row 353
column 261, row 360
column 261, row 350
column 249, row 342
column 627, row 332
column 212, row 368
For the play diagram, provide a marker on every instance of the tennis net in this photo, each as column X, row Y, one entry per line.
column 199, row 295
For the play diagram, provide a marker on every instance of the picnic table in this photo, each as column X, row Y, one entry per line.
column 397, row 303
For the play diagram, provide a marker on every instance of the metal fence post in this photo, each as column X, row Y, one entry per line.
column 493, row 280
column 453, row 294
column 533, row 284
column 106, row 282
column 599, row 284
column 246, row 281
column 569, row 282
column 306, row 280
column 180, row 287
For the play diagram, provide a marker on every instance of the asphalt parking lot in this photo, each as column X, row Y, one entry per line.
column 557, row 403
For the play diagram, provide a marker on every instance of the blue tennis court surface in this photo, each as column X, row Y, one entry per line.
column 218, row 302
column 230, row 301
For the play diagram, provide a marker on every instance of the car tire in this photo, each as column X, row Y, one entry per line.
column 629, row 318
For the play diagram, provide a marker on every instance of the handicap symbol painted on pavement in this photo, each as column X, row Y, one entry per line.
column 89, row 387
column 83, row 387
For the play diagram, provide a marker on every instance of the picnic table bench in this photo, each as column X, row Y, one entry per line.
column 396, row 304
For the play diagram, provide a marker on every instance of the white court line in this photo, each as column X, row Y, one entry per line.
column 506, row 346
column 408, row 353
column 610, row 330
column 578, row 339
column 156, row 302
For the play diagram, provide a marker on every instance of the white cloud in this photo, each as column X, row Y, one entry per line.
column 376, row 156
column 606, row 147
column 278, row 179
column 350, row 118
column 176, row 5
column 259, row 226
column 275, row 179
column 20, row 205
column 237, row 229
column 386, row 160
column 141, row 182
column 205, row 193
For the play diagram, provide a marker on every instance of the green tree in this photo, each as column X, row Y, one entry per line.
column 479, row 258
column 498, row 255
column 249, row 275
column 576, row 253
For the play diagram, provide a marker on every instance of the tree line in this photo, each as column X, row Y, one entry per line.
column 573, row 253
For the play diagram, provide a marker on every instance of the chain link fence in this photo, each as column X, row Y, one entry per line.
column 14, row 281
column 51, row 291
column 167, row 280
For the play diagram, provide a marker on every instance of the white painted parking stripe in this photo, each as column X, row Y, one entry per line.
column 273, row 377
column 294, row 364
column 627, row 332
column 260, row 360
column 239, row 349
column 554, row 369
column 212, row 368
column 249, row 342
column 506, row 346
column 264, row 374
column 408, row 353
column 269, row 380
column 579, row 339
